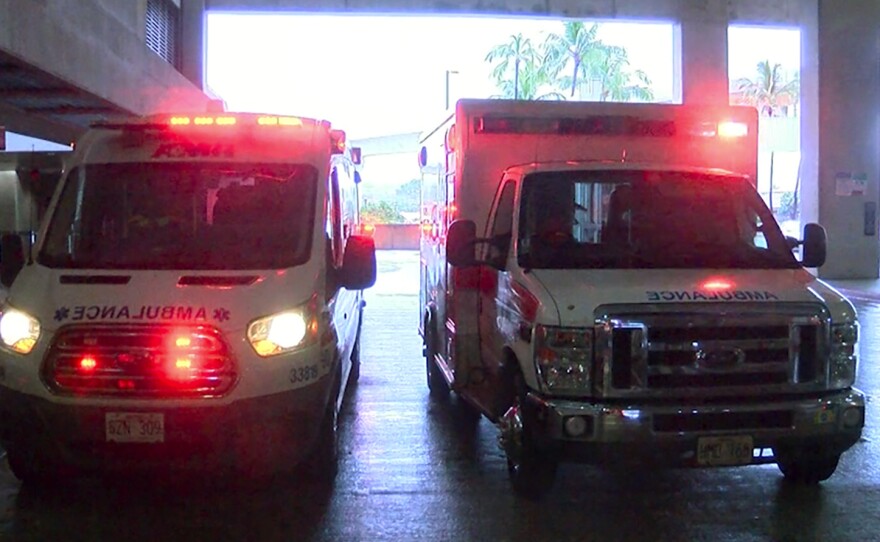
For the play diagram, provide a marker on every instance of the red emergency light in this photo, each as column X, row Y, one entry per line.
column 337, row 141
column 201, row 120
column 271, row 120
column 716, row 284
column 229, row 120
column 608, row 125
column 732, row 129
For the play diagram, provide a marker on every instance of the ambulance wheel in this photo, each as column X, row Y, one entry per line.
column 355, row 373
column 807, row 470
column 532, row 473
column 436, row 382
column 28, row 470
column 322, row 464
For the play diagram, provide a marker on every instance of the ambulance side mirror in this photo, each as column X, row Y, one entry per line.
column 358, row 263
column 814, row 245
column 11, row 258
column 460, row 243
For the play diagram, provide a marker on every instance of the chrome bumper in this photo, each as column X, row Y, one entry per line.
column 833, row 422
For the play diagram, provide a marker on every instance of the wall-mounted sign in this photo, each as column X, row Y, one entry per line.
column 850, row 184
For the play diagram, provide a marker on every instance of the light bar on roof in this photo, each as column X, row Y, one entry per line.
column 202, row 120
column 271, row 120
column 608, row 125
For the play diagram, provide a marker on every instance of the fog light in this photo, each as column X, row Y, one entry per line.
column 575, row 426
column 852, row 417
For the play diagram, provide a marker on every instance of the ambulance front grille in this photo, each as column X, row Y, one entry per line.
column 711, row 350
column 139, row 361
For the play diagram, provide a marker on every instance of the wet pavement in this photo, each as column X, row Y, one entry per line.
column 413, row 468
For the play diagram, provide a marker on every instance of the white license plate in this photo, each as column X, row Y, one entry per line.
column 134, row 427
column 718, row 451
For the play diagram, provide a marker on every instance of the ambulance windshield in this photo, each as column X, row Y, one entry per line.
column 647, row 219
column 195, row 215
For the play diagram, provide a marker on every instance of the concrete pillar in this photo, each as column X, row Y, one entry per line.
column 809, row 112
column 701, row 41
column 192, row 41
column 849, row 146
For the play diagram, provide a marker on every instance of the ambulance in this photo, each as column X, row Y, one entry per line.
column 604, row 283
column 193, row 300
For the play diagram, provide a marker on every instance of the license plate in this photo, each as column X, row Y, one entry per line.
column 134, row 427
column 718, row 451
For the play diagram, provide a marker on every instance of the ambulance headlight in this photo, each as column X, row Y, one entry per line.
column 564, row 358
column 282, row 332
column 843, row 364
column 18, row 330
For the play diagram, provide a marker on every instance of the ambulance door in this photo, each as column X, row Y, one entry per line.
column 494, row 276
column 342, row 303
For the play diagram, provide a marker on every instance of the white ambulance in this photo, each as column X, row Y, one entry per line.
column 604, row 282
column 194, row 299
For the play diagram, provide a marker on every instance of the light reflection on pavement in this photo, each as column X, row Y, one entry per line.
column 417, row 469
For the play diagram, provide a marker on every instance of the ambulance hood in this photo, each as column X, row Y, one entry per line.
column 226, row 300
column 577, row 293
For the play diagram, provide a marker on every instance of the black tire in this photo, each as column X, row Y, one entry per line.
column 355, row 373
column 322, row 463
column 469, row 413
column 30, row 471
column 532, row 472
column 807, row 469
column 21, row 465
column 437, row 384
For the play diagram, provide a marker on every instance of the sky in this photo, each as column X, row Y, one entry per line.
column 380, row 75
column 377, row 75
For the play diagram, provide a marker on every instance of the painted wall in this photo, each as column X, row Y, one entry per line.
column 849, row 142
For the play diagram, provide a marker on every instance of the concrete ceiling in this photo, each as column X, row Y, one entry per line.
column 36, row 103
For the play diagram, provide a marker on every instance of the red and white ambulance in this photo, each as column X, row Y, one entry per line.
column 604, row 282
column 194, row 299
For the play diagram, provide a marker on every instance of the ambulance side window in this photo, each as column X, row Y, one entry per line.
column 348, row 201
column 502, row 226
column 334, row 220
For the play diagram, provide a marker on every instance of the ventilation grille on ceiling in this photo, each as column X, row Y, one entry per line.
column 162, row 30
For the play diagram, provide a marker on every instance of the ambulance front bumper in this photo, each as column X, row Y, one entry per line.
column 685, row 435
column 273, row 430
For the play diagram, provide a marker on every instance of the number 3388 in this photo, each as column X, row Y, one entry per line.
column 304, row 373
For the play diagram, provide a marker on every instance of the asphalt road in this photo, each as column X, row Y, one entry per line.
column 416, row 469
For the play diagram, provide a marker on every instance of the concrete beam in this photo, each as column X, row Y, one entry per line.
column 21, row 122
column 779, row 12
column 97, row 46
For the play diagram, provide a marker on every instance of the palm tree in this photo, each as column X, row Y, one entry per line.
column 518, row 50
column 617, row 81
column 769, row 90
column 570, row 62
column 576, row 49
